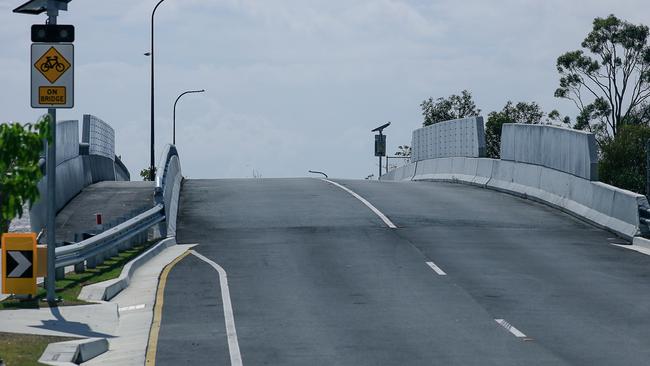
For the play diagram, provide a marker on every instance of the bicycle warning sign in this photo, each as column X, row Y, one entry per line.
column 52, row 65
column 52, row 75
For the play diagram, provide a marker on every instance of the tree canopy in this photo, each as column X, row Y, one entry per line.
column 452, row 107
column 623, row 160
column 609, row 81
column 20, row 150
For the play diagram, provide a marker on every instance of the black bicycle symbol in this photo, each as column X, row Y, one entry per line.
column 52, row 62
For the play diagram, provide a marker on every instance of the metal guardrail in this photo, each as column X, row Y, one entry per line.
column 84, row 250
column 94, row 249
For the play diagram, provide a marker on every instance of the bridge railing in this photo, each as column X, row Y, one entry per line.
column 93, row 250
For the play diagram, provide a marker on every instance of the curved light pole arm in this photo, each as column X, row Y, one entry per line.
column 174, row 118
column 317, row 172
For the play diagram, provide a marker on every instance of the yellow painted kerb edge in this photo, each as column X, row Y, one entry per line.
column 152, row 346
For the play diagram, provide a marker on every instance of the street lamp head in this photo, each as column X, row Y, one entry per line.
column 147, row 54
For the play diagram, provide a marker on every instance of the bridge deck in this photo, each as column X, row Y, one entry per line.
column 111, row 199
column 316, row 278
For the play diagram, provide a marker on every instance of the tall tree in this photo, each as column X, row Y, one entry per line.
column 452, row 107
column 511, row 113
column 610, row 79
column 20, row 150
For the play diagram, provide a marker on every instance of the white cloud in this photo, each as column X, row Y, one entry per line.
column 298, row 84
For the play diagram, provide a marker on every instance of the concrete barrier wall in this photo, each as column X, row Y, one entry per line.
column 99, row 136
column 121, row 171
column 566, row 150
column 606, row 206
column 67, row 140
column 460, row 137
column 74, row 172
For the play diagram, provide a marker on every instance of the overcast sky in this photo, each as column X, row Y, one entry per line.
column 294, row 85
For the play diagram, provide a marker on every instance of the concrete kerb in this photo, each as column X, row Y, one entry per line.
column 73, row 352
column 641, row 242
column 106, row 290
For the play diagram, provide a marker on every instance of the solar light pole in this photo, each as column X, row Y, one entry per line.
column 380, row 144
column 52, row 8
column 174, row 119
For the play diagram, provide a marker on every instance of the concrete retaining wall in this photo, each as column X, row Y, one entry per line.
column 606, row 206
column 566, row 150
column 460, row 137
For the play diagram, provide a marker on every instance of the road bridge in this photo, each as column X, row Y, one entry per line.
column 470, row 276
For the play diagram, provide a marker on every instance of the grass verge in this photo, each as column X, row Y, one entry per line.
column 25, row 349
column 69, row 288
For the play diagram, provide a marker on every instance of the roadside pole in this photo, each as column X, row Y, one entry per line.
column 647, row 168
column 50, row 280
column 380, row 145
column 52, row 87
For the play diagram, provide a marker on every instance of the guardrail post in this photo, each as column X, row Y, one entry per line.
column 91, row 262
column 59, row 273
column 79, row 267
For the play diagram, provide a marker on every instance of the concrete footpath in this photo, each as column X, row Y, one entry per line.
column 124, row 321
column 82, row 321
column 135, row 307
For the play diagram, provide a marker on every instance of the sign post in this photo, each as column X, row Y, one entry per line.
column 52, row 71
column 19, row 263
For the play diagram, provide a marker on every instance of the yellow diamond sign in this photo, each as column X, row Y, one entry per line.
column 52, row 65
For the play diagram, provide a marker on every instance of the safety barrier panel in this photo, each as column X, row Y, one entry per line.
column 604, row 205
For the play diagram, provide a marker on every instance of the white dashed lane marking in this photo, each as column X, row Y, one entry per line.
column 436, row 269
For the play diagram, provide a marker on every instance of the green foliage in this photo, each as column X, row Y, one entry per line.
column 609, row 80
column 623, row 161
column 20, row 150
column 144, row 173
column 511, row 113
column 403, row 150
column 445, row 109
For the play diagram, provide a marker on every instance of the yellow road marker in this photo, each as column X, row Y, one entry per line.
column 152, row 346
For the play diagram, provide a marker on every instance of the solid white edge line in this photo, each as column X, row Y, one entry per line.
column 374, row 209
column 436, row 269
column 231, row 331
column 132, row 307
column 510, row 328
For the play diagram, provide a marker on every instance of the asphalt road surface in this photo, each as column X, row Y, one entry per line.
column 317, row 278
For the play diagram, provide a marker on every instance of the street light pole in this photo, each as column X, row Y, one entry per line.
column 152, row 173
column 174, row 119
